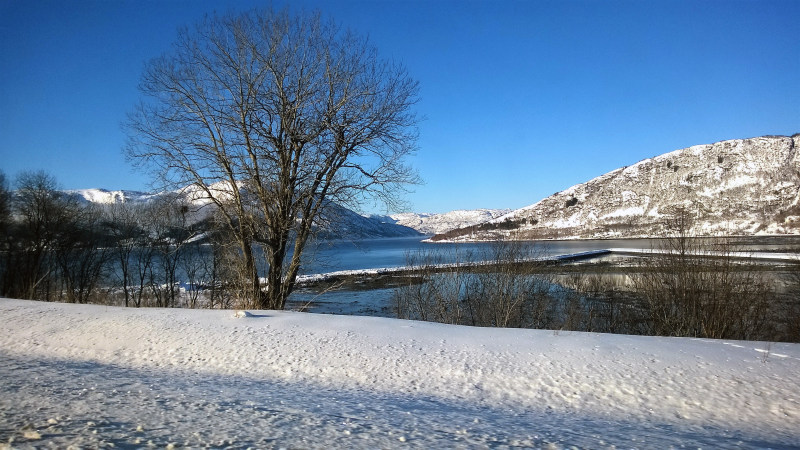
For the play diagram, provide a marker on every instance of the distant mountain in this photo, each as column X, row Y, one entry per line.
column 338, row 223
column 343, row 223
column 106, row 197
column 440, row 223
column 736, row 187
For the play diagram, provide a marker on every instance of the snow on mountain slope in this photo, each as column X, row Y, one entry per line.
column 440, row 223
column 339, row 222
column 736, row 187
column 95, row 376
column 192, row 194
column 106, row 197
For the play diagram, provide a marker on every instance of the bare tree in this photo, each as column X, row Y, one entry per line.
column 123, row 224
column 227, row 279
column 143, row 259
column 6, row 238
column 195, row 264
column 274, row 117
column 5, row 205
column 131, row 227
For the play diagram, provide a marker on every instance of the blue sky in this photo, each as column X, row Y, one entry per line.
column 522, row 99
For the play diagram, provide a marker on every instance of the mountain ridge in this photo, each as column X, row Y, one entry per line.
column 436, row 223
column 340, row 222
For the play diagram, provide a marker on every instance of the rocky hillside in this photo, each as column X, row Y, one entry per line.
column 736, row 187
column 431, row 224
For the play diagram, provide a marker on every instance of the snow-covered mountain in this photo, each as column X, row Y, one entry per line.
column 340, row 222
column 191, row 194
column 736, row 187
column 343, row 223
column 441, row 223
column 106, row 197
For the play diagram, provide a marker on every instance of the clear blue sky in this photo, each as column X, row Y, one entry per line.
column 522, row 98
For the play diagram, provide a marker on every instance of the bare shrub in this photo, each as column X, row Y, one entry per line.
column 512, row 292
column 689, row 287
column 789, row 307
column 432, row 296
column 506, row 288
column 696, row 287
column 595, row 299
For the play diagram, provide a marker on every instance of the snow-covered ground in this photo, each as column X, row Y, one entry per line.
column 92, row 376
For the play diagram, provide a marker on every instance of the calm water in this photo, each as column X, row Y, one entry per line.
column 393, row 252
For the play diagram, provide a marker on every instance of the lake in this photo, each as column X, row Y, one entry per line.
column 331, row 256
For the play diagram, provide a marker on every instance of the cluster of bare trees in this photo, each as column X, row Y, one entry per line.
column 270, row 117
column 51, row 248
column 156, row 257
column 56, row 247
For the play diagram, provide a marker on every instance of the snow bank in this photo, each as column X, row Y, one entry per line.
column 94, row 375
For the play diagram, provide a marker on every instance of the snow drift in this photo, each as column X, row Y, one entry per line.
column 94, row 375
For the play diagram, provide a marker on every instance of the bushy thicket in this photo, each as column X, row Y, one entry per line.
column 695, row 287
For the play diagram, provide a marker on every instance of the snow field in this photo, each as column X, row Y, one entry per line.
column 195, row 377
